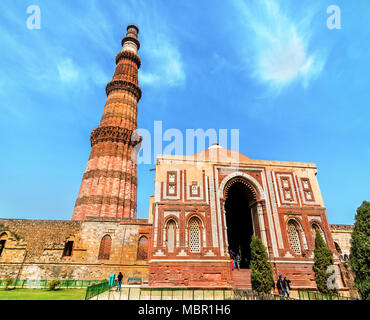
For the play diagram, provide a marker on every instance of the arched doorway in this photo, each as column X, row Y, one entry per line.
column 239, row 198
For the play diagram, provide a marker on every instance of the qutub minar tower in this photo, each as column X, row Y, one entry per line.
column 203, row 206
column 108, row 187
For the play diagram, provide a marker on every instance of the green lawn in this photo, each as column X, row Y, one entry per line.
column 42, row 294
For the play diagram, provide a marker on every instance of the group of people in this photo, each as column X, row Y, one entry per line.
column 282, row 285
column 235, row 260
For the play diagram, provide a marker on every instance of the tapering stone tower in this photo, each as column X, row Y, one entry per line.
column 108, row 187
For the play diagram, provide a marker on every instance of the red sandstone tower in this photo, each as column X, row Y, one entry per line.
column 108, row 187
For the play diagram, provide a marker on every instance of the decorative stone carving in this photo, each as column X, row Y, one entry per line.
column 209, row 253
column 159, row 253
column 123, row 85
column 130, row 56
column 182, row 253
column 241, row 180
column 114, row 134
column 132, row 39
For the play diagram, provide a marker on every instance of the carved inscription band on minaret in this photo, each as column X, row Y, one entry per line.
column 108, row 187
column 114, row 134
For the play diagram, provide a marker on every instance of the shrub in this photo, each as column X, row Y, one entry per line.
column 7, row 283
column 323, row 259
column 53, row 284
column 360, row 250
column 262, row 276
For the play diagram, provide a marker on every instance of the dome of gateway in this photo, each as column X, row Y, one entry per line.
column 217, row 153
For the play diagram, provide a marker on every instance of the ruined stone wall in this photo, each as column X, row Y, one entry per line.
column 34, row 249
column 42, row 239
column 342, row 236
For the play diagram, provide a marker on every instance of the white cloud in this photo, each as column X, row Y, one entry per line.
column 278, row 47
column 148, row 78
column 67, row 70
column 165, row 63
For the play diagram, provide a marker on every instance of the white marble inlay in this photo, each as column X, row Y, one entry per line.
column 274, row 210
column 159, row 253
column 170, row 196
column 213, row 213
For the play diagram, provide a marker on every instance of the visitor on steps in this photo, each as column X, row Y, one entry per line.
column 119, row 281
column 237, row 259
column 281, row 286
column 286, row 282
column 232, row 257
column 232, row 254
column 232, row 264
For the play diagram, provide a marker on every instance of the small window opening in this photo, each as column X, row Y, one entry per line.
column 68, row 249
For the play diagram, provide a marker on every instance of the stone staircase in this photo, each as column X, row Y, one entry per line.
column 241, row 279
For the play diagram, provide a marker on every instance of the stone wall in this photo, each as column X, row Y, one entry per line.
column 342, row 236
column 34, row 249
column 190, row 274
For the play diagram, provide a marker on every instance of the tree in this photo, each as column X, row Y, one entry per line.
column 323, row 266
column 262, row 276
column 360, row 250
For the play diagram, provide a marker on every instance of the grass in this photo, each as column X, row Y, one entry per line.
column 42, row 294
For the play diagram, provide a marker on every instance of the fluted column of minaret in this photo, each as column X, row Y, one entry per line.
column 108, row 187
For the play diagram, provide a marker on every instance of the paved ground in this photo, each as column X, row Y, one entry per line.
column 135, row 293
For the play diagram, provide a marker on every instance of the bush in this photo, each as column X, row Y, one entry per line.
column 262, row 276
column 7, row 283
column 323, row 259
column 53, row 284
column 360, row 250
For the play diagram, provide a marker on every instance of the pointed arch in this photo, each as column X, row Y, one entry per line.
column 337, row 247
column 296, row 237
column 315, row 226
column 142, row 248
column 252, row 184
column 194, row 230
column 171, row 227
column 105, row 247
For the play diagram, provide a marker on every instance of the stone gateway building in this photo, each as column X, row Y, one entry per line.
column 203, row 206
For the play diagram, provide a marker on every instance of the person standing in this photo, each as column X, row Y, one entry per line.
column 232, row 257
column 232, row 254
column 237, row 259
column 280, row 286
column 119, row 281
column 286, row 283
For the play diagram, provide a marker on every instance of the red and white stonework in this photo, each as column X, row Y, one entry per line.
column 284, row 201
column 108, row 188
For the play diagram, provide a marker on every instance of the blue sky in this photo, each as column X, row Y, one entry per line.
column 297, row 90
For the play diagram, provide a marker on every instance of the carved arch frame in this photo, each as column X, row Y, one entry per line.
column 258, row 202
